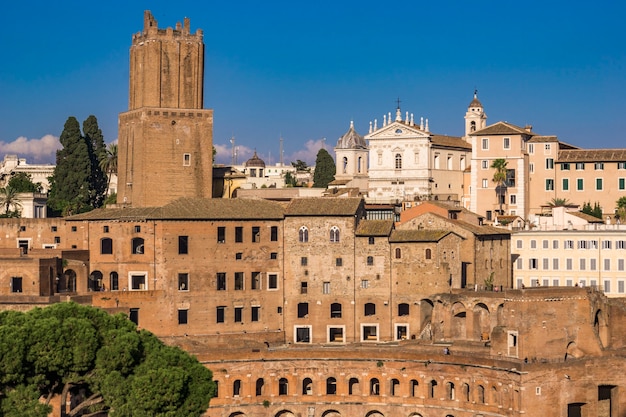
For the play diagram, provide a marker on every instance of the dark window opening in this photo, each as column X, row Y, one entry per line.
column 303, row 310
column 274, row 234
column 183, row 282
column 106, row 246
column 238, row 234
column 16, row 284
column 183, row 245
column 221, row 234
column 182, row 316
column 221, row 281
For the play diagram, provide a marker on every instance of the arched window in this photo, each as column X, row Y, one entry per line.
column 428, row 254
column 114, row 283
column 395, row 384
column 398, row 161
column 137, row 245
column 345, row 164
column 374, row 386
column 236, row 388
column 472, row 126
column 465, row 391
column 283, row 386
column 370, row 260
column 334, row 234
column 480, row 392
column 370, row 309
column 450, row 390
column 260, row 384
column 307, row 386
column 360, row 164
column 303, row 235
column 353, row 386
column 431, row 388
column 335, row 311
column 413, row 386
column 331, row 386
column 106, row 246
column 398, row 253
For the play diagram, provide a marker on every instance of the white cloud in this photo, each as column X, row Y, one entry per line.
column 225, row 153
column 34, row 150
column 309, row 153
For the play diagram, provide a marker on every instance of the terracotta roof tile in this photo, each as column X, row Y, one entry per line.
column 324, row 206
column 374, row 228
column 503, row 128
column 450, row 142
column 592, row 155
column 398, row 236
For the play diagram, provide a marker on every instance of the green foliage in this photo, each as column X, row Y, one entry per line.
column 499, row 177
column 125, row 372
column 621, row 203
column 23, row 183
column 558, row 202
column 324, row 169
column 290, row 180
column 621, row 209
column 78, row 183
column 301, row 166
column 596, row 211
column 8, row 199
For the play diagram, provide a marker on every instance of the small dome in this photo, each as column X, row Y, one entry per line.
column 255, row 161
column 476, row 102
column 351, row 140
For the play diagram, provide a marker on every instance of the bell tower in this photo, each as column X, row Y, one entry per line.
column 475, row 117
column 166, row 137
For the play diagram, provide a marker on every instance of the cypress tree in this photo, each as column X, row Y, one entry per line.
column 324, row 169
column 70, row 187
column 97, row 152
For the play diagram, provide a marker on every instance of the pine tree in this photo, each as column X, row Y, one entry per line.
column 324, row 169
column 69, row 184
column 97, row 152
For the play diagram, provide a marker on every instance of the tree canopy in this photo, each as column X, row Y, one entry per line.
column 499, row 177
column 100, row 360
column 78, row 183
column 23, row 183
column 300, row 166
column 595, row 211
column 324, row 169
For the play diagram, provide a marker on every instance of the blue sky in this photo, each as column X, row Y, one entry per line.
column 304, row 70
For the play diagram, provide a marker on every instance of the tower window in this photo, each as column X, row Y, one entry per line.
column 186, row 159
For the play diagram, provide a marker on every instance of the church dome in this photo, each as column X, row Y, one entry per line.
column 476, row 102
column 255, row 162
column 351, row 140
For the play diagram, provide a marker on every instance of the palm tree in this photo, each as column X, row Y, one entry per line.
column 559, row 202
column 499, row 177
column 108, row 163
column 8, row 199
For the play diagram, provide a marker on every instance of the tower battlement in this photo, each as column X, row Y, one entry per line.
column 152, row 31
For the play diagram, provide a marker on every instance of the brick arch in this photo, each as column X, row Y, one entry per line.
column 482, row 322
column 237, row 414
column 374, row 413
column 601, row 327
column 458, row 318
column 284, row 413
column 426, row 314
column 331, row 413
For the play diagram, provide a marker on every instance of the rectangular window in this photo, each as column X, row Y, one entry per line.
column 485, row 183
column 54, row 229
column 138, row 282
column 303, row 334
column 274, row 234
column 531, row 167
column 303, row 310
column 533, row 263
column 16, row 284
column 304, row 287
column 238, row 234
column 255, row 281
column 549, row 163
column 365, row 283
column 583, row 264
column 598, row 184
column 555, row 244
column 531, row 148
column 183, row 245
column 569, row 264
column 335, row 334
column 533, row 244
column 255, row 313
column 371, row 240
column 221, row 281
column 547, row 148
column 620, row 264
column 620, row 286
column 304, row 261
column 555, row 264
column 598, row 166
column 569, row 244
column 621, row 183
column 549, row 184
column 182, row 316
column 621, row 165
column 238, row 314
column 519, row 243
column 607, row 264
column 485, row 164
column 57, row 239
column 513, row 199
column 239, row 256
column 545, row 244
column 134, row 315
column 546, row 264
column 338, row 262
column 273, row 255
column 256, row 234
column 186, row 159
column 592, row 264
column 565, row 166
column 272, row 281
column 506, row 143
column 519, row 264
column 137, row 229
column 583, row 244
column 620, row 244
column 607, row 286
column 326, row 287
column 485, row 143
column 580, row 166
column 238, row 281
column 220, row 314
column 183, row 281
column 565, row 184
column 221, row 234
column 555, row 282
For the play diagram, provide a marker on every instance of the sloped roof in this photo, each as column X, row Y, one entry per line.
column 399, row 236
column 374, row 228
column 587, row 217
column 323, row 206
column 450, row 142
column 193, row 209
column 592, row 155
column 503, row 128
column 542, row 139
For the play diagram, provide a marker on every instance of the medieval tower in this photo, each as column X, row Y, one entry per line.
column 165, row 137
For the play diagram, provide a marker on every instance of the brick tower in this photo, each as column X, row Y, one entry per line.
column 165, row 148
